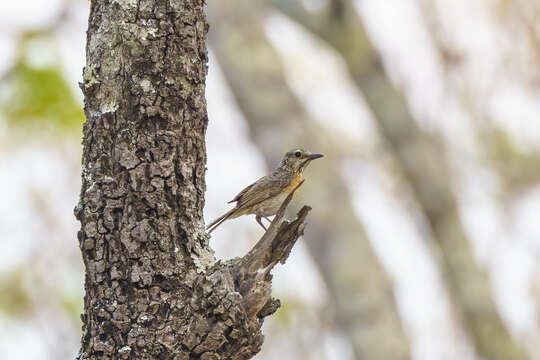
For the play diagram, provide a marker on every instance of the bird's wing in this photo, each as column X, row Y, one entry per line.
column 263, row 189
column 241, row 193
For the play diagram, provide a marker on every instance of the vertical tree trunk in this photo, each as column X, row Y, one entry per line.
column 153, row 289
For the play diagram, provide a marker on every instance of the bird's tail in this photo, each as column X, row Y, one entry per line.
column 214, row 224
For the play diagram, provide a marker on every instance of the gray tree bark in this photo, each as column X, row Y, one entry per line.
column 153, row 288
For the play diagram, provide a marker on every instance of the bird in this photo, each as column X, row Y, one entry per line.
column 264, row 197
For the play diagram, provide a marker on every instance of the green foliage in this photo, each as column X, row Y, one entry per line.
column 14, row 296
column 287, row 311
column 40, row 98
column 520, row 169
column 73, row 305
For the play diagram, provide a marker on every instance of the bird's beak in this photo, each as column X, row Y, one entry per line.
column 314, row 156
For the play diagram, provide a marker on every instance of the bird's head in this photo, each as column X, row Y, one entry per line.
column 297, row 160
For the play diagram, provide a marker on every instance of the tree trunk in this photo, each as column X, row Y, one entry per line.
column 153, row 288
column 361, row 293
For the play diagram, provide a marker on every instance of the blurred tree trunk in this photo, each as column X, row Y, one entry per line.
column 360, row 290
column 153, row 289
column 424, row 166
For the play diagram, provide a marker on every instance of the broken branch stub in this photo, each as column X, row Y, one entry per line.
column 252, row 272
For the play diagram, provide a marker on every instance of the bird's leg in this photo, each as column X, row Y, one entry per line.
column 258, row 218
column 267, row 219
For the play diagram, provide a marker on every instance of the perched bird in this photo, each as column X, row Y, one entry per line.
column 265, row 196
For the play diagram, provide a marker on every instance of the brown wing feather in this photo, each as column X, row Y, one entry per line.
column 239, row 195
column 263, row 189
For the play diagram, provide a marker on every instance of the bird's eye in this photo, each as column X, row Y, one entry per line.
column 298, row 154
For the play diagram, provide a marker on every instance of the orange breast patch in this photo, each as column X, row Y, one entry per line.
column 294, row 183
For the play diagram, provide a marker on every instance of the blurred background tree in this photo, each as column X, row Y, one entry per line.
column 424, row 240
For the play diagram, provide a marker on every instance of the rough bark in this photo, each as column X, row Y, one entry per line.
column 424, row 166
column 361, row 293
column 153, row 288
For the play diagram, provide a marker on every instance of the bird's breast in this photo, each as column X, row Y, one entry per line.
column 270, row 206
column 297, row 179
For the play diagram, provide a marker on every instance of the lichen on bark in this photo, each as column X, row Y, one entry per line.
column 153, row 287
